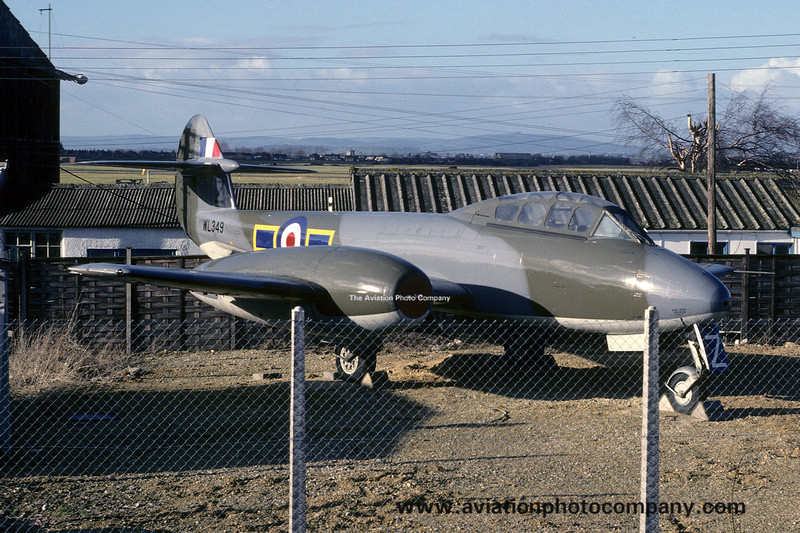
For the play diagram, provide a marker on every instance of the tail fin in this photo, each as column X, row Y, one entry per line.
column 198, row 141
column 203, row 183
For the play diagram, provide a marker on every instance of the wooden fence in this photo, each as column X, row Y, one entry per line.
column 764, row 289
column 142, row 317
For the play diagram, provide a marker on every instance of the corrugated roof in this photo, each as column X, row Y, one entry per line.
column 152, row 206
column 670, row 202
column 73, row 206
column 658, row 203
column 293, row 198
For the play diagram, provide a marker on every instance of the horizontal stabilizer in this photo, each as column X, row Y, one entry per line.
column 199, row 150
column 226, row 165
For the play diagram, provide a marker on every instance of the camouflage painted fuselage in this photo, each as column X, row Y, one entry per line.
column 568, row 258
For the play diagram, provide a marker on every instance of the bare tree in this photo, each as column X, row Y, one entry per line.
column 639, row 126
column 758, row 132
column 750, row 132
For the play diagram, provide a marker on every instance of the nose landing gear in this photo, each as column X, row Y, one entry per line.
column 684, row 392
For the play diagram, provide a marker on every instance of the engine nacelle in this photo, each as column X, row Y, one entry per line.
column 371, row 288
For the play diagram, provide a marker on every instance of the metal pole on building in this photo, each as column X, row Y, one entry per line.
column 49, row 10
column 711, row 165
column 297, row 426
column 648, row 521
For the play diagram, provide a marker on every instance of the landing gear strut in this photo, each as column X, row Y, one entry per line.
column 684, row 389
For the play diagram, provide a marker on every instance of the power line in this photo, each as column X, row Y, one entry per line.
column 287, row 95
column 444, row 45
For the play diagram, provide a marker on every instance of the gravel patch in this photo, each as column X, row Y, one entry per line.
column 191, row 442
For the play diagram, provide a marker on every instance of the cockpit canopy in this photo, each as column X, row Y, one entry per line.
column 559, row 212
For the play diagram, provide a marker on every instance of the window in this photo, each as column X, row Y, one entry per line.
column 34, row 243
column 506, row 212
column 532, row 214
column 559, row 216
column 582, row 219
column 701, row 248
column 618, row 224
column 631, row 225
column 774, row 248
column 609, row 228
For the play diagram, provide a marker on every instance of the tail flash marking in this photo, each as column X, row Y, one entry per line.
column 209, row 147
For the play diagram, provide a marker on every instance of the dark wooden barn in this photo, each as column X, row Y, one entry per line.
column 29, row 110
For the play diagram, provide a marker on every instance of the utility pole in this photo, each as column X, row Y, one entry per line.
column 49, row 10
column 711, row 160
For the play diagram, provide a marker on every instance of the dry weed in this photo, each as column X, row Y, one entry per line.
column 50, row 356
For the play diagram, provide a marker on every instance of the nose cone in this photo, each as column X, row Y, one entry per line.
column 682, row 291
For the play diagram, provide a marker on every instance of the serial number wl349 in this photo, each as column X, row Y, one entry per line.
column 213, row 226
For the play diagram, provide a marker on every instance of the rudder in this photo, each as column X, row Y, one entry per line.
column 198, row 141
column 201, row 187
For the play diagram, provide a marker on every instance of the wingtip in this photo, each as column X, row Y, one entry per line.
column 98, row 269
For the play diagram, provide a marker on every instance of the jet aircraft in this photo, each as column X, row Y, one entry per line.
column 552, row 258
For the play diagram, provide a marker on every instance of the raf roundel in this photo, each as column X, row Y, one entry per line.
column 293, row 232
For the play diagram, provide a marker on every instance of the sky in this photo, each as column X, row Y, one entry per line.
column 413, row 69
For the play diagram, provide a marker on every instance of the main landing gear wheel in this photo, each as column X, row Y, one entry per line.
column 352, row 364
column 524, row 348
column 683, row 390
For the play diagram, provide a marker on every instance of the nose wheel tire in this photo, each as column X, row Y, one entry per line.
column 683, row 391
column 352, row 364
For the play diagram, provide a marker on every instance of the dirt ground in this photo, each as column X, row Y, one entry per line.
column 192, row 442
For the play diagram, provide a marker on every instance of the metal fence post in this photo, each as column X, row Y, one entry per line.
column 648, row 520
column 5, row 385
column 745, row 295
column 297, row 426
column 128, row 306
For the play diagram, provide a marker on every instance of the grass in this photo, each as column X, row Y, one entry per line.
column 333, row 174
column 50, row 356
column 102, row 175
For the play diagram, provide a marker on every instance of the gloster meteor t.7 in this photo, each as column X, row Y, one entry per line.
column 544, row 258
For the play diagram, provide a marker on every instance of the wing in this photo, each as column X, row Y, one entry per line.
column 233, row 284
column 337, row 280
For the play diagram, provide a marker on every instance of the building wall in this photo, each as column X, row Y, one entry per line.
column 738, row 241
column 76, row 241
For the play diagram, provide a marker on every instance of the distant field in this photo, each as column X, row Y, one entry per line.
column 326, row 174
column 329, row 174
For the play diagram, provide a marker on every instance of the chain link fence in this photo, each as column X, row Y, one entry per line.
column 179, row 426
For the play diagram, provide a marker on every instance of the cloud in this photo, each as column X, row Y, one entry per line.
column 776, row 71
column 666, row 84
column 258, row 63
